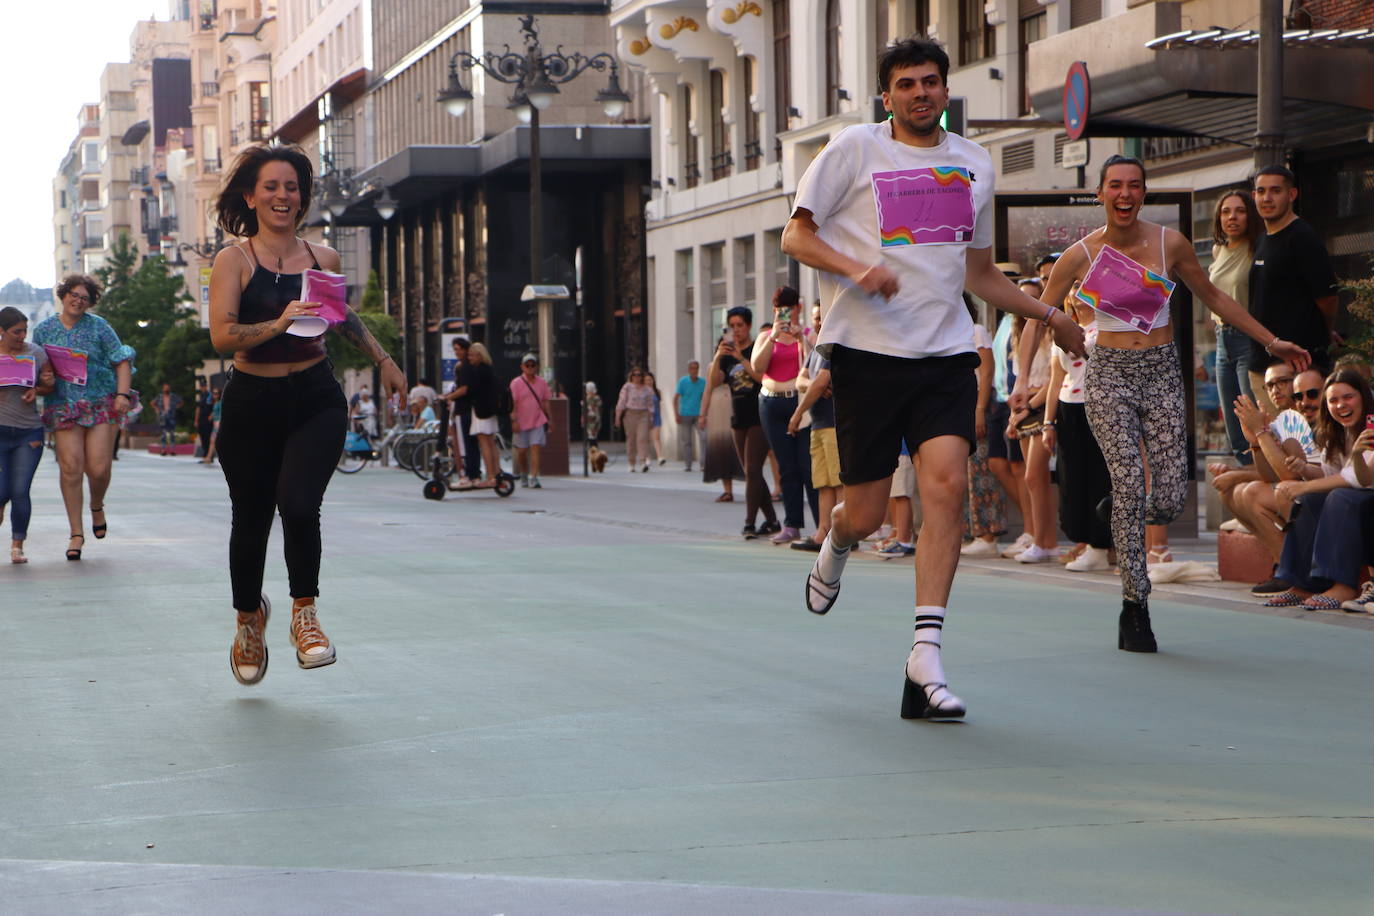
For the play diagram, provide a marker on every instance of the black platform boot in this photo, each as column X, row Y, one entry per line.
column 1133, row 630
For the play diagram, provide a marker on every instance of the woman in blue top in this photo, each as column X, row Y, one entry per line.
column 86, row 413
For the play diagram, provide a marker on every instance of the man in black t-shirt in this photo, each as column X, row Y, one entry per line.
column 1292, row 286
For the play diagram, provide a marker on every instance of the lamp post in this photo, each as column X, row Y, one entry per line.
column 535, row 77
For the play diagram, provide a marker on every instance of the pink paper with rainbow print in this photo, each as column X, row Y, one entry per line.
column 68, row 364
column 932, row 206
column 18, row 370
column 1119, row 286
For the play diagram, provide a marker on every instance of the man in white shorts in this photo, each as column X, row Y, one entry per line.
column 897, row 217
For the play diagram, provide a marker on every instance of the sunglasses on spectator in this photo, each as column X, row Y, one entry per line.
column 1277, row 382
column 1311, row 394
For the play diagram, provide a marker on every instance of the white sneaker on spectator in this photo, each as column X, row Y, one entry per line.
column 979, row 548
column 1092, row 559
column 1363, row 603
column 1234, row 524
column 1015, row 548
column 1036, row 554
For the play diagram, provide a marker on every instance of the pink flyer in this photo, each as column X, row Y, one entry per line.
column 330, row 291
column 1118, row 286
column 931, row 206
column 68, row 364
column 18, row 370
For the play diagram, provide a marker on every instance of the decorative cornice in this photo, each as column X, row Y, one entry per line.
column 742, row 9
column 679, row 24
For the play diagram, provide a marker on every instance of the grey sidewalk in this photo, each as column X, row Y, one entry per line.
column 594, row 698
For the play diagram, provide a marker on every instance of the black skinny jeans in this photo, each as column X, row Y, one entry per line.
column 279, row 440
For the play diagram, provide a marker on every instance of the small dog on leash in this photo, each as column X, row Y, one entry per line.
column 597, row 458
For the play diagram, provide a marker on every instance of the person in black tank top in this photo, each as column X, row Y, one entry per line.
column 283, row 415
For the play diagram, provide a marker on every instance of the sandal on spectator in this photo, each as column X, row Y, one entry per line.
column 1289, row 598
column 1322, row 603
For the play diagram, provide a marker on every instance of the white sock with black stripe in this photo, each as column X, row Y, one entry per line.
column 923, row 665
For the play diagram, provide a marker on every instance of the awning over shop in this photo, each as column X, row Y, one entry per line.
column 421, row 172
column 1151, row 79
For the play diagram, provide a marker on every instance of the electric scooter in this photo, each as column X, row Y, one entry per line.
column 442, row 467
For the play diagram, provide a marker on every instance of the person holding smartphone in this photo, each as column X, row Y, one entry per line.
column 778, row 358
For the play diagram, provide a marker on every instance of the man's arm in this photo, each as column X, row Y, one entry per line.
column 801, row 241
column 985, row 280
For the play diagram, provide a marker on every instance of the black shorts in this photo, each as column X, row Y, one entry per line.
column 881, row 400
column 999, row 446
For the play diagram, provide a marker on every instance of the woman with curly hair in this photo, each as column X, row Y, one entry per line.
column 91, row 402
column 283, row 414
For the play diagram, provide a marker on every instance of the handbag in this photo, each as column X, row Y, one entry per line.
column 1033, row 424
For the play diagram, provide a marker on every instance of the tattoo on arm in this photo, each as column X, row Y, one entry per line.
column 355, row 332
column 247, row 336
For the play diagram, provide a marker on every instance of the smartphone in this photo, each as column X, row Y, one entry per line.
column 1369, row 421
column 782, row 317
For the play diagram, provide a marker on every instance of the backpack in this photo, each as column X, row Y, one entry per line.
column 504, row 402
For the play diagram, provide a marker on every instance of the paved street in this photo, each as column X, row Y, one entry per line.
column 595, row 698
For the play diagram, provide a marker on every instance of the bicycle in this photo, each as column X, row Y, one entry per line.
column 360, row 449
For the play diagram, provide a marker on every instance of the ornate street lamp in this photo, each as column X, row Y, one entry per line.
column 536, row 77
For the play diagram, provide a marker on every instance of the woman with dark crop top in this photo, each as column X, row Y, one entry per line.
column 1133, row 386
column 283, row 415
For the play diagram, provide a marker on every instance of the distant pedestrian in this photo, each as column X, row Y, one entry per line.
column 529, row 419
column 91, row 400
column 634, row 411
column 1292, row 286
column 481, row 388
column 591, row 414
column 656, row 420
column 720, row 461
column 216, row 412
column 24, row 374
column 465, row 443
column 201, row 421
column 284, row 416
column 691, row 432
column 167, row 403
column 363, row 413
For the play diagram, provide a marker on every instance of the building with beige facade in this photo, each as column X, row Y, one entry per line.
column 747, row 92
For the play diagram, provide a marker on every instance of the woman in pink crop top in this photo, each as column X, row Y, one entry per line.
column 283, row 415
column 1133, row 388
column 778, row 356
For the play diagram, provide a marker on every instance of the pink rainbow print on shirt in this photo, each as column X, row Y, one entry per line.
column 930, row 206
column 18, row 370
column 68, row 364
column 1118, row 286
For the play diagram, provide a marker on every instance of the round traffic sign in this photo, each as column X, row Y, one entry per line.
column 1077, row 99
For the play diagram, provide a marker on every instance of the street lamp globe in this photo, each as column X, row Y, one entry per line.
column 455, row 97
column 520, row 107
column 386, row 205
column 540, row 91
column 613, row 99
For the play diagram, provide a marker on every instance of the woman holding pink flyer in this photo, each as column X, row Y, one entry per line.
column 24, row 374
column 283, row 415
column 1133, row 389
column 91, row 402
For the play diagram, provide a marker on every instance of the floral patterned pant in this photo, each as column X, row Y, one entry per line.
column 1134, row 397
column 985, row 500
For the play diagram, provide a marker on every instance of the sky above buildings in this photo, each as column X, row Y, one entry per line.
column 51, row 55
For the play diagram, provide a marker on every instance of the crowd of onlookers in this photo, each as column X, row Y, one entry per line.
column 1301, row 478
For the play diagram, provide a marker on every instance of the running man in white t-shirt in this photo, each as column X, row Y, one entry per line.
column 897, row 217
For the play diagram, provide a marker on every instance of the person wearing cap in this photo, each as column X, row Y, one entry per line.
column 529, row 418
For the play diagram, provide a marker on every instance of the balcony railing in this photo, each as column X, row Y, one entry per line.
column 259, row 130
column 209, row 89
column 167, row 225
column 721, row 164
column 139, row 176
column 753, row 155
column 209, row 166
